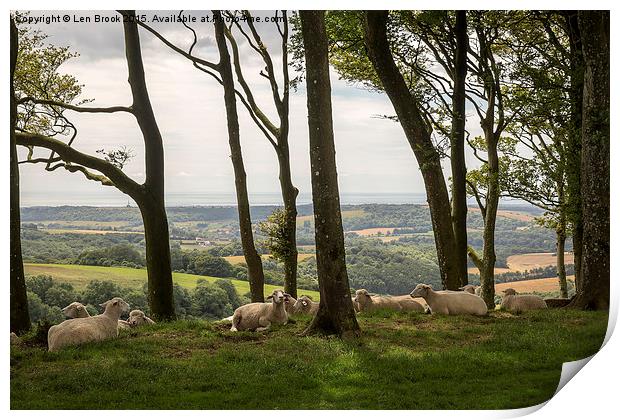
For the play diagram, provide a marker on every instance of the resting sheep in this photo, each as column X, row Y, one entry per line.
column 519, row 303
column 85, row 330
column 78, row 310
column 75, row 310
column 366, row 302
column 305, row 305
column 289, row 305
column 449, row 302
column 137, row 318
column 259, row 316
column 15, row 340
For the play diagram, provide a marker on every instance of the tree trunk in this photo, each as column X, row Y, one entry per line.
column 561, row 266
column 487, row 275
column 419, row 138
column 256, row 276
column 151, row 200
column 289, row 197
column 457, row 148
column 156, row 238
column 573, row 145
column 595, row 162
column 19, row 317
column 336, row 314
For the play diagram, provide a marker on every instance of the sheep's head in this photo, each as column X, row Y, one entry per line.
column 75, row 310
column 116, row 303
column 421, row 291
column 468, row 288
column 137, row 317
column 289, row 302
column 303, row 304
column 278, row 296
column 510, row 292
column 362, row 297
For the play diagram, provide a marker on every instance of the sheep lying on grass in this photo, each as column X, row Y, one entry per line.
column 519, row 303
column 85, row 330
column 470, row 288
column 449, row 302
column 259, row 316
column 75, row 310
column 15, row 340
column 78, row 310
column 366, row 302
column 289, row 305
column 137, row 318
column 305, row 305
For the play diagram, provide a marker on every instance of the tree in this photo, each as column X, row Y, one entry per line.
column 335, row 314
column 19, row 315
column 418, row 133
column 150, row 195
column 222, row 73
column 595, row 162
column 276, row 230
column 276, row 133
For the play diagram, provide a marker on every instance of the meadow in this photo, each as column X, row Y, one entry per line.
column 401, row 361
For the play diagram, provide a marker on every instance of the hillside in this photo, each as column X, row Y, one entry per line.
column 413, row 361
column 80, row 275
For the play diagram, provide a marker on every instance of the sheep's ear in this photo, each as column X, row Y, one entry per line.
column 269, row 297
column 104, row 304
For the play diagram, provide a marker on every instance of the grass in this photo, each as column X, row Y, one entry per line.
column 80, row 275
column 402, row 361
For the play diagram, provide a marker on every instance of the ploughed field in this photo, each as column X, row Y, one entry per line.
column 401, row 361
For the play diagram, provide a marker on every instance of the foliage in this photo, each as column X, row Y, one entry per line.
column 274, row 228
column 118, row 255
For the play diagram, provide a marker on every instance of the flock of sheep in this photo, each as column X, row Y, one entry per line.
column 82, row 328
column 260, row 316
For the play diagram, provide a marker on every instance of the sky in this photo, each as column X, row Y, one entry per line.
column 373, row 155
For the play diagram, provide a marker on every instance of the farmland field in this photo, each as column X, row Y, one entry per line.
column 549, row 284
column 522, row 262
column 239, row 259
column 345, row 214
column 80, row 275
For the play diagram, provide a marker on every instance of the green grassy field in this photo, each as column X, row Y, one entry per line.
column 402, row 361
column 80, row 275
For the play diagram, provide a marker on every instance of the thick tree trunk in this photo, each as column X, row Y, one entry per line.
column 19, row 317
column 595, row 162
column 419, row 138
column 561, row 265
column 151, row 200
column 457, row 148
column 289, row 197
column 256, row 276
column 573, row 145
column 156, row 238
column 336, row 314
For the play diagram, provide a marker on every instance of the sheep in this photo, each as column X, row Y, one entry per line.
column 519, row 303
column 305, row 305
column 289, row 305
column 469, row 288
column 75, row 310
column 78, row 310
column 85, row 330
column 450, row 302
column 137, row 318
column 259, row 316
column 366, row 302
column 15, row 340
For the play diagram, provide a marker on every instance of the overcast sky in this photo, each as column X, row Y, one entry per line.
column 372, row 154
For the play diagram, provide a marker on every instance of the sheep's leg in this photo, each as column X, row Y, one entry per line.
column 265, row 327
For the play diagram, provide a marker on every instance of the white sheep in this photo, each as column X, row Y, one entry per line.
column 519, row 303
column 289, row 305
column 259, row 316
column 75, row 310
column 450, row 302
column 366, row 302
column 15, row 340
column 137, row 318
column 305, row 305
column 85, row 330
column 78, row 310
